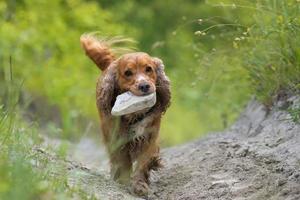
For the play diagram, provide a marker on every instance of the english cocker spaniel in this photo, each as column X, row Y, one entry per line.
column 131, row 138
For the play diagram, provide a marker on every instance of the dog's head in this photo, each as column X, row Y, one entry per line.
column 137, row 72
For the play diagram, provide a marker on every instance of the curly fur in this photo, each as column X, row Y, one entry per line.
column 163, row 87
column 133, row 137
column 107, row 90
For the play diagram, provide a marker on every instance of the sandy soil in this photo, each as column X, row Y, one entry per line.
column 257, row 158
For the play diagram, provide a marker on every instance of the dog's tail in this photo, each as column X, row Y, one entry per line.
column 97, row 50
column 101, row 50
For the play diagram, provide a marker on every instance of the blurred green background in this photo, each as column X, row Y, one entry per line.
column 42, row 38
column 204, row 44
column 218, row 55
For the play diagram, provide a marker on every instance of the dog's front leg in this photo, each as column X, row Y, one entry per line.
column 121, row 165
column 147, row 160
column 118, row 150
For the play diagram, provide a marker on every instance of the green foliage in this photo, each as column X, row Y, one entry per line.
column 258, row 56
column 25, row 173
column 295, row 114
column 206, row 92
column 43, row 39
column 272, row 53
column 216, row 54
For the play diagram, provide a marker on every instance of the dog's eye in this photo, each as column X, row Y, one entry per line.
column 148, row 69
column 128, row 73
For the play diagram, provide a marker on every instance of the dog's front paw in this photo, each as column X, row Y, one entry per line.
column 140, row 187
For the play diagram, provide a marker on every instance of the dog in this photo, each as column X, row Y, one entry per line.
column 131, row 139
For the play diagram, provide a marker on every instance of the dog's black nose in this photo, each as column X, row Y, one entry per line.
column 144, row 87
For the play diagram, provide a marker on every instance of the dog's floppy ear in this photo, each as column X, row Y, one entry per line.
column 163, row 92
column 107, row 89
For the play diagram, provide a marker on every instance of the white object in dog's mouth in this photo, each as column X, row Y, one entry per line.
column 127, row 103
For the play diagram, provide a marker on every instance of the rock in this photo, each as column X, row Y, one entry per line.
column 127, row 103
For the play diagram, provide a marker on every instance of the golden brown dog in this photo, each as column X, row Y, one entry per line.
column 132, row 137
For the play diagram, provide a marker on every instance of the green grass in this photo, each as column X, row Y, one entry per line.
column 295, row 114
column 258, row 57
column 263, row 59
column 272, row 52
column 25, row 173
column 43, row 40
column 251, row 49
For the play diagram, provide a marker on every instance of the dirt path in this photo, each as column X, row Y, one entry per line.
column 257, row 158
